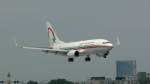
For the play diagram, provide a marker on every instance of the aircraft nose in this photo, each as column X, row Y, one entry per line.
column 111, row 45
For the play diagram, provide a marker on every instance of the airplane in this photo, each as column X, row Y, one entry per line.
column 98, row 47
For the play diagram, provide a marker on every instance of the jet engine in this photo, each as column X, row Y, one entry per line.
column 73, row 53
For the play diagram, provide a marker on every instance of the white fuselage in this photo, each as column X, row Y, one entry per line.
column 87, row 47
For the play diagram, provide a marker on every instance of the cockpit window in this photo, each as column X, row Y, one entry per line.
column 106, row 42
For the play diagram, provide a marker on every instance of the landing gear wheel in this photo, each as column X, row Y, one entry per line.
column 105, row 55
column 70, row 59
column 87, row 59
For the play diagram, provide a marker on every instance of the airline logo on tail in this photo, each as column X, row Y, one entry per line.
column 53, row 39
column 50, row 31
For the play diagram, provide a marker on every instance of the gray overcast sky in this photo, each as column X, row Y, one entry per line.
column 73, row 20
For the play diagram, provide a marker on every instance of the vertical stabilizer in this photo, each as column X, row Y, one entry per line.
column 53, row 38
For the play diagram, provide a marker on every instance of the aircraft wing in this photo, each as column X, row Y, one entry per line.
column 46, row 49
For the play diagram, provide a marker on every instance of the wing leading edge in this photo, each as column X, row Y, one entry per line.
column 40, row 48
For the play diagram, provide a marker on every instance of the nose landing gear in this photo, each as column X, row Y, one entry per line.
column 105, row 55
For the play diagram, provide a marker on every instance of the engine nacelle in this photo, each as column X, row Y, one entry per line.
column 73, row 53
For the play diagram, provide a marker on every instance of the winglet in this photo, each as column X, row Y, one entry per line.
column 16, row 44
column 118, row 41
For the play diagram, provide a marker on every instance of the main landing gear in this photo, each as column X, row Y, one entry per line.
column 87, row 59
column 70, row 59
